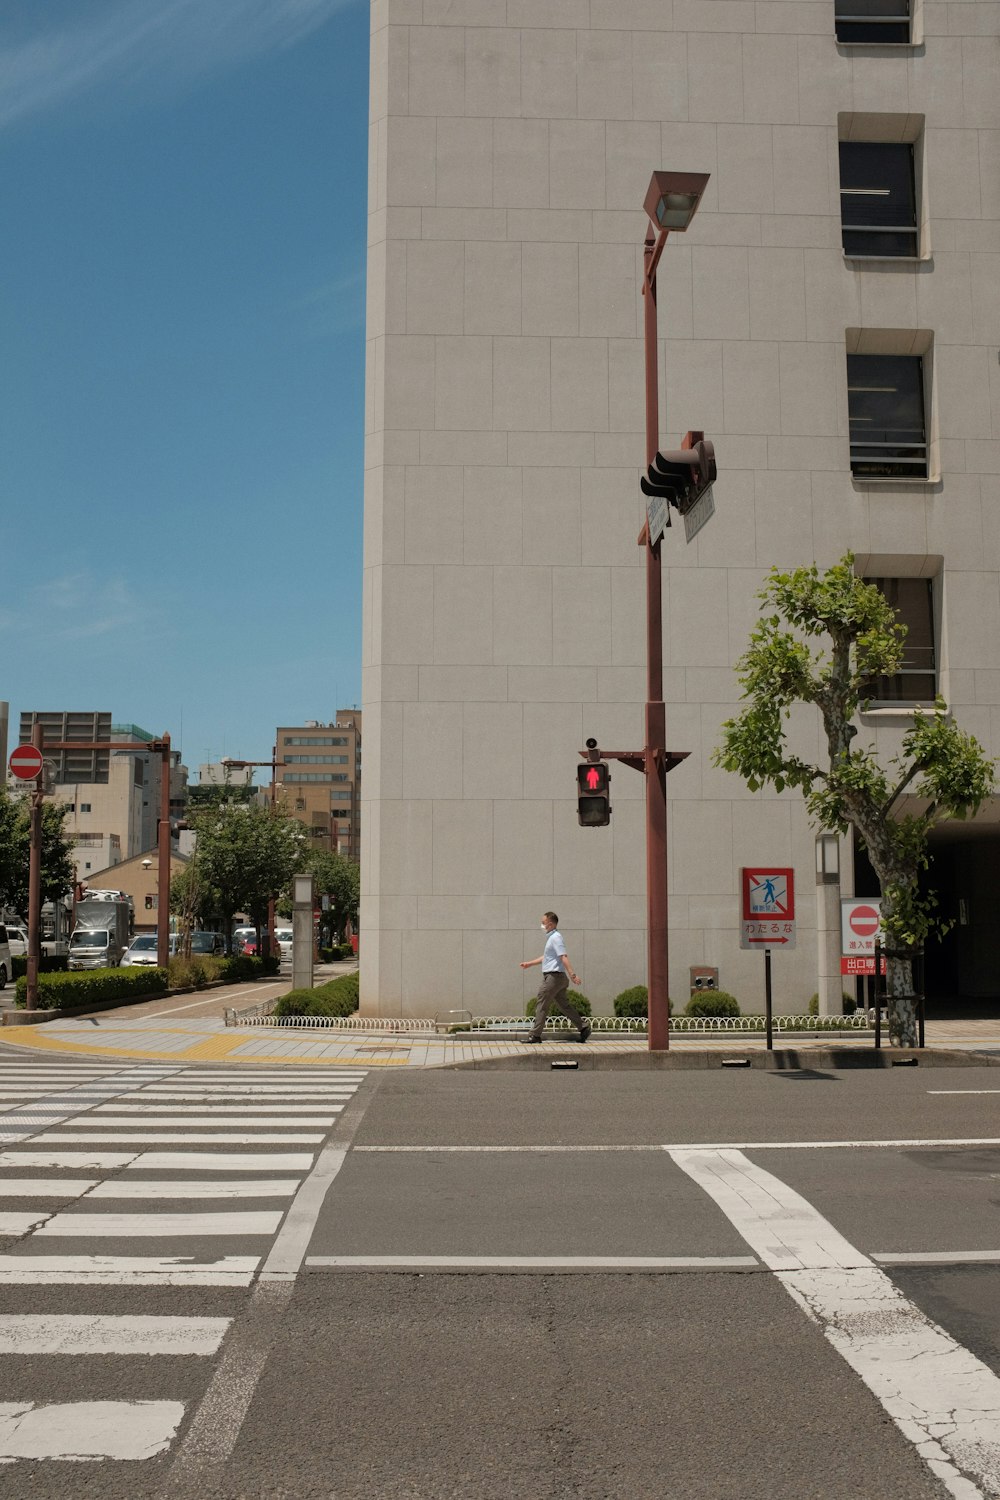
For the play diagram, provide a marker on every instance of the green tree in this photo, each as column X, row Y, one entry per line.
column 193, row 901
column 246, row 854
column 57, row 873
column 945, row 770
column 340, row 880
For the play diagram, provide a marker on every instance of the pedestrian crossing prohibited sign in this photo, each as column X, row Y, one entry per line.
column 768, row 908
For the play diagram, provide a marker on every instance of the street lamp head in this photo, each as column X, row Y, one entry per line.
column 672, row 198
column 147, row 864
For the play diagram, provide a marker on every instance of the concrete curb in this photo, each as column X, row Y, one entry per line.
column 781, row 1060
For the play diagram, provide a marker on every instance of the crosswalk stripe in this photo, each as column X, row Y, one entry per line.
column 93, row 1333
column 334, row 1091
column 140, row 1118
column 86, row 1160
column 88, row 1429
column 14, row 1225
column 221, row 1161
column 239, row 1111
column 45, row 1187
column 155, row 1225
column 276, row 1187
column 125, row 1270
column 153, row 1137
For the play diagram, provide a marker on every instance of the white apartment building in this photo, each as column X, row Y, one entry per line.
column 831, row 320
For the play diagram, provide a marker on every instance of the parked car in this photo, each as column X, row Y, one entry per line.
column 141, row 950
column 17, row 939
column 6, row 966
column 284, row 936
column 207, row 942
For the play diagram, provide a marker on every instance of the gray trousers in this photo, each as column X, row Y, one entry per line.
column 552, row 991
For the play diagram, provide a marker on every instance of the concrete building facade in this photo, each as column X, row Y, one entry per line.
column 512, row 142
column 318, row 780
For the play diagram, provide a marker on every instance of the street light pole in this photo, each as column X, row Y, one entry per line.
column 670, row 203
column 34, row 880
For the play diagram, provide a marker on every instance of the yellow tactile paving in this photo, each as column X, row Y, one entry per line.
column 203, row 1049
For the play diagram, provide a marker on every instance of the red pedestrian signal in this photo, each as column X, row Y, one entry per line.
column 593, row 794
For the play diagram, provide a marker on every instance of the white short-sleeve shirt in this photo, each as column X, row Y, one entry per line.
column 554, row 950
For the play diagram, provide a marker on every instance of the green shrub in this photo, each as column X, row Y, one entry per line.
column 241, row 966
column 712, row 1003
column 47, row 964
column 89, row 986
column 339, row 997
column 195, row 972
column 633, row 1002
column 574, row 997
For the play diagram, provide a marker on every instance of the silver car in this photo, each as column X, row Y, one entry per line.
column 141, row 950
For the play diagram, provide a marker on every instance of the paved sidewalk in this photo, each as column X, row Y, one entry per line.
column 211, row 1041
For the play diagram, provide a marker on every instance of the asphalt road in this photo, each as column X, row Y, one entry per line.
column 712, row 1284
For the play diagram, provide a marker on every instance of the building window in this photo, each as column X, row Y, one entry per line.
column 916, row 680
column 316, row 760
column 885, row 402
column 313, row 739
column 878, row 200
column 84, row 806
column 882, row 22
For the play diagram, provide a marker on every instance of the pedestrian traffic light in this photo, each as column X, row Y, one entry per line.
column 593, row 794
column 682, row 475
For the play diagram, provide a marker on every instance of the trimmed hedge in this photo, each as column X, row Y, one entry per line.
column 246, row 966
column 848, row 1004
column 89, row 986
column 47, row 964
column 713, row 1003
column 340, row 997
column 581, row 1003
column 635, row 1002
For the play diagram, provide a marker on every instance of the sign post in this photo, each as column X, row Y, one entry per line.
column 860, row 934
column 767, row 921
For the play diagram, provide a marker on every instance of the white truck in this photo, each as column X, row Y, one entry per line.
column 103, row 926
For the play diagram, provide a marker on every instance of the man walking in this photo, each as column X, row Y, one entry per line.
column 557, row 971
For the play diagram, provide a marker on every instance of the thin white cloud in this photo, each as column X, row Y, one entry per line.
column 130, row 41
column 332, row 307
column 82, row 606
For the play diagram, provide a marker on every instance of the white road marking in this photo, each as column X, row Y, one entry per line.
column 268, row 1108
column 50, row 1333
column 963, row 1091
column 154, row 1122
column 533, row 1262
column 85, row 1430
column 157, row 1225
column 153, row 1137
column 283, row 1187
column 86, row 1160
column 220, row 1161
column 722, row 1146
column 125, row 1270
column 288, row 1251
column 941, row 1397
column 240, row 1095
column 935, row 1257
column 45, row 1187
column 14, row 1225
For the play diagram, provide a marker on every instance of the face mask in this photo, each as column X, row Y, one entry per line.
column 544, row 928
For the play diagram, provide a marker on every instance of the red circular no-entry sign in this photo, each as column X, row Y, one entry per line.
column 864, row 921
column 26, row 762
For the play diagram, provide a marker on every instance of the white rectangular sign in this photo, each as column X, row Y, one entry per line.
column 701, row 511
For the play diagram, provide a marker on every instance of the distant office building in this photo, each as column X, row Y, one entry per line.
column 318, row 779
column 114, row 812
column 60, row 728
column 217, row 773
column 4, row 724
column 831, row 319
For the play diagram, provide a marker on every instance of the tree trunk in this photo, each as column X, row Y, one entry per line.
column 901, row 1003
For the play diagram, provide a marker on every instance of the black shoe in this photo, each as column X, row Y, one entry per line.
column 585, row 1031
column 528, row 1039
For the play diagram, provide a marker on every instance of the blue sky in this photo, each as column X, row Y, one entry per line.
column 182, row 232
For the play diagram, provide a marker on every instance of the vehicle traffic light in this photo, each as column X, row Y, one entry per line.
column 682, row 475
column 593, row 794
